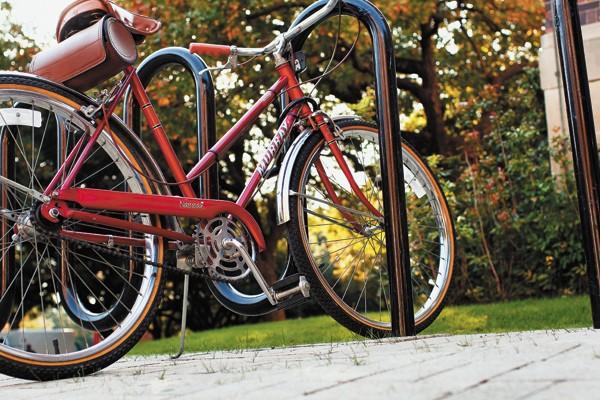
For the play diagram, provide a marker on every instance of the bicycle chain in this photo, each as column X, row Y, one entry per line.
column 202, row 273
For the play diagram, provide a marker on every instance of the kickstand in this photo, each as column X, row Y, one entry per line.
column 186, row 285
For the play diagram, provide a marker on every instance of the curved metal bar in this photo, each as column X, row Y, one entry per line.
column 205, row 103
column 403, row 323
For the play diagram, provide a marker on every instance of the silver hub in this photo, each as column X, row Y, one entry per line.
column 369, row 231
column 24, row 230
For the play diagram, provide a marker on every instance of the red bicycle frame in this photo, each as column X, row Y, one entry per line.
column 188, row 205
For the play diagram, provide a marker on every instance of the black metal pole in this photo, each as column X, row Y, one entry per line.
column 583, row 139
column 403, row 320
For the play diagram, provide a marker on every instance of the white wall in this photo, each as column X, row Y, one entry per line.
column 552, row 84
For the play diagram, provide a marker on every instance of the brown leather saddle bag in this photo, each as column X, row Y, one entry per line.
column 97, row 40
column 89, row 57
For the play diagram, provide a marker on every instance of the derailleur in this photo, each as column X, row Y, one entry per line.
column 192, row 256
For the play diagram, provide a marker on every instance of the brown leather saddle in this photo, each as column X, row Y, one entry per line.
column 96, row 39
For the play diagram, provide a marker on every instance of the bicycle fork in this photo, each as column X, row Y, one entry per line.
column 331, row 142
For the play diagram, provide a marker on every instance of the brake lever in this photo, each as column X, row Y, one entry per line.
column 232, row 62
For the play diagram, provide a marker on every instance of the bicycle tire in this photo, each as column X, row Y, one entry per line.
column 23, row 364
column 323, row 287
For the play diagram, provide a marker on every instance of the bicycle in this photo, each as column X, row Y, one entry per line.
column 89, row 224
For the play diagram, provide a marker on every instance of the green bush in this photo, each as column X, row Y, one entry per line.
column 517, row 226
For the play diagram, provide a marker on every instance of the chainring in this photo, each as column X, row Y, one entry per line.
column 223, row 263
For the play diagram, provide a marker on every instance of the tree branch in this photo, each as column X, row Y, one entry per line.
column 431, row 27
column 508, row 73
column 487, row 20
column 473, row 45
column 408, row 66
column 414, row 88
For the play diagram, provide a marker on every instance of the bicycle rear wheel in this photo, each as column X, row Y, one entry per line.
column 69, row 309
column 340, row 245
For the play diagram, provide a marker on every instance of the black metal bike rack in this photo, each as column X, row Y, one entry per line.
column 583, row 138
column 581, row 127
column 205, row 103
column 403, row 321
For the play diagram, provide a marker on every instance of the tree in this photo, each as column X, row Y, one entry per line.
column 16, row 48
column 518, row 235
column 448, row 53
column 456, row 51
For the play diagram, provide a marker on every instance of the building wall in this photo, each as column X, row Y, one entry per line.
column 589, row 12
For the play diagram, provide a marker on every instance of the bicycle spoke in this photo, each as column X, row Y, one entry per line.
column 339, row 207
column 41, row 287
column 327, row 218
column 62, row 295
column 361, row 253
column 342, row 249
column 356, row 272
column 59, row 309
column 70, row 270
column 100, row 281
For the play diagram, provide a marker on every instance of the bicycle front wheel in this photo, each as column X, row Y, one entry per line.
column 68, row 308
column 340, row 245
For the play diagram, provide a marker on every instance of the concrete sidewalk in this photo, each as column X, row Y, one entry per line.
column 526, row 365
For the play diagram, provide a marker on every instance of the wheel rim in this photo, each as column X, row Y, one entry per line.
column 65, row 291
column 347, row 262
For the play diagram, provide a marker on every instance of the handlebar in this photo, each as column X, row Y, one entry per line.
column 277, row 44
column 210, row 49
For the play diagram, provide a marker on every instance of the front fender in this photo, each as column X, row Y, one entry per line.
column 285, row 176
column 285, row 173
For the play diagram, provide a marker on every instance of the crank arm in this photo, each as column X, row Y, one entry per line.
column 260, row 279
column 275, row 297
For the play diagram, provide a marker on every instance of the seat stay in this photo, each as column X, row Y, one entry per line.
column 79, row 158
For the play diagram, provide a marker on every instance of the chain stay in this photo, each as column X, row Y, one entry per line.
column 201, row 273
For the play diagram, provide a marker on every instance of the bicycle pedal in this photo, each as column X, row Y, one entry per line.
column 297, row 289
column 291, row 286
column 287, row 282
column 291, row 302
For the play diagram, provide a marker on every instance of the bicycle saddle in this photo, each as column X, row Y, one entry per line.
column 83, row 13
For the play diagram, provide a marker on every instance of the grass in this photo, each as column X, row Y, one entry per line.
column 566, row 312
